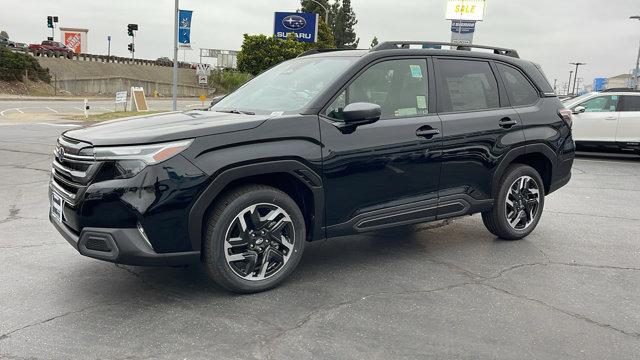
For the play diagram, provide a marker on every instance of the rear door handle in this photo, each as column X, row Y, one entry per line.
column 611, row 118
column 427, row 132
column 507, row 122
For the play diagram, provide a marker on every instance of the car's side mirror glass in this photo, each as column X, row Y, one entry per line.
column 216, row 99
column 361, row 113
column 579, row 109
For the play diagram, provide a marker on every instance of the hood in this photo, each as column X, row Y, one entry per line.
column 164, row 127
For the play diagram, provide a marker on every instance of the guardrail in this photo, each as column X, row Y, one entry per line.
column 103, row 58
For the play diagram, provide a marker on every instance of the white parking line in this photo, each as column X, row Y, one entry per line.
column 67, row 125
column 55, row 111
column 12, row 109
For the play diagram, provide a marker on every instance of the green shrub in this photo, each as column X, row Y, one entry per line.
column 261, row 52
column 227, row 80
column 14, row 66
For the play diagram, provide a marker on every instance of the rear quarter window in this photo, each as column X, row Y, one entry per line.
column 519, row 88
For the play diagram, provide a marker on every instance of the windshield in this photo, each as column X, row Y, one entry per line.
column 576, row 99
column 287, row 87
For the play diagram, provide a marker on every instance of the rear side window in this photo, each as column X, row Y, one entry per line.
column 467, row 85
column 519, row 89
column 630, row 103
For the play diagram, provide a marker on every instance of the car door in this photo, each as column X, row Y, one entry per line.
column 597, row 121
column 629, row 120
column 385, row 173
column 478, row 127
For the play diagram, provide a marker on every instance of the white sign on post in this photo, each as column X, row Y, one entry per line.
column 202, row 80
column 203, row 69
column 121, row 97
column 465, row 10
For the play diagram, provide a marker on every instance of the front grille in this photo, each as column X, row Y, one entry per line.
column 73, row 168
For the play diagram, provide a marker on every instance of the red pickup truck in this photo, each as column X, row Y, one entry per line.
column 51, row 48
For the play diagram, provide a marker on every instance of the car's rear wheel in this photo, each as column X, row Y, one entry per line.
column 254, row 240
column 518, row 205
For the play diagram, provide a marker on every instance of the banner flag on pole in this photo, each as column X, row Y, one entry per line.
column 184, row 28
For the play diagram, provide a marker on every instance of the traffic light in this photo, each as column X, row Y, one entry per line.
column 131, row 47
column 55, row 19
column 50, row 21
column 131, row 28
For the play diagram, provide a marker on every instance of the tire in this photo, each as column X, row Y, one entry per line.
column 49, row 54
column 252, row 246
column 526, row 208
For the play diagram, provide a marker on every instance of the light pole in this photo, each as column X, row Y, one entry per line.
column 635, row 75
column 326, row 12
column 569, row 83
column 108, row 46
column 174, row 87
column 575, row 75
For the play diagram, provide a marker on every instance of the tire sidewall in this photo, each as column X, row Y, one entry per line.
column 215, row 256
column 518, row 171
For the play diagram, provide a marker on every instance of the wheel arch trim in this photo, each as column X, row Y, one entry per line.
column 225, row 177
column 514, row 153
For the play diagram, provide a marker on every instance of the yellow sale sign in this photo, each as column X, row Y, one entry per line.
column 465, row 10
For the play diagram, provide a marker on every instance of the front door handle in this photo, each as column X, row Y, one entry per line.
column 507, row 122
column 427, row 132
column 611, row 118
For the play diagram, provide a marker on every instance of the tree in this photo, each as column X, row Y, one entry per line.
column 325, row 38
column 374, row 42
column 261, row 52
column 344, row 19
column 4, row 34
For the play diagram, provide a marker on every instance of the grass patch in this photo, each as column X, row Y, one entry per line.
column 112, row 115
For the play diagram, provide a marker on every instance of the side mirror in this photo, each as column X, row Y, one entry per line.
column 579, row 109
column 216, row 99
column 361, row 113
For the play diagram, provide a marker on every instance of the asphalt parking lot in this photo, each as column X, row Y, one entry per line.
column 570, row 290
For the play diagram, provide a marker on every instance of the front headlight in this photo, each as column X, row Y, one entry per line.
column 128, row 161
column 149, row 154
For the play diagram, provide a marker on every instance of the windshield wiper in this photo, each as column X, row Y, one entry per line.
column 235, row 111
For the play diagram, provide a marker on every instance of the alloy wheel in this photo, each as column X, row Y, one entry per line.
column 259, row 241
column 522, row 203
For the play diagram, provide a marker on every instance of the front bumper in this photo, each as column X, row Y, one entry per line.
column 121, row 246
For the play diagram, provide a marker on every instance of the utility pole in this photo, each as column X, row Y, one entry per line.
column 569, row 83
column 575, row 76
column 108, row 46
column 174, row 88
column 635, row 75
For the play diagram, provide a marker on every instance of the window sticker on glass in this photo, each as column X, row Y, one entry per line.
column 614, row 97
column 416, row 71
column 406, row 112
column 421, row 100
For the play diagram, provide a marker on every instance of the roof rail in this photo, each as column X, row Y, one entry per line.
column 387, row 45
column 317, row 51
column 619, row 90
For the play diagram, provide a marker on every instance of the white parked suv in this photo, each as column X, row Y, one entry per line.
column 607, row 120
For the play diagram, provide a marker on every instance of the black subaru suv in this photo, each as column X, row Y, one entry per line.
column 331, row 143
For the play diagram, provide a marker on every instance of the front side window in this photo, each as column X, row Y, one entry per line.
column 519, row 89
column 631, row 103
column 398, row 86
column 601, row 104
column 287, row 87
column 467, row 85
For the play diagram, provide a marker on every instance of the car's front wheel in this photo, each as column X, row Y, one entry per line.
column 254, row 239
column 518, row 205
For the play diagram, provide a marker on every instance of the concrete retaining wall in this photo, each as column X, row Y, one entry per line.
column 100, row 78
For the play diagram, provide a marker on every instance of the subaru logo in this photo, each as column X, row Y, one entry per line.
column 294, row 22
column 61, row 154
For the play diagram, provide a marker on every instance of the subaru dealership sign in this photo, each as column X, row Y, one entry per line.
column 303, row 25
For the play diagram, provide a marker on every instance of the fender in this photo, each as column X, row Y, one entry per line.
column 299, row 170
column 537, row 148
